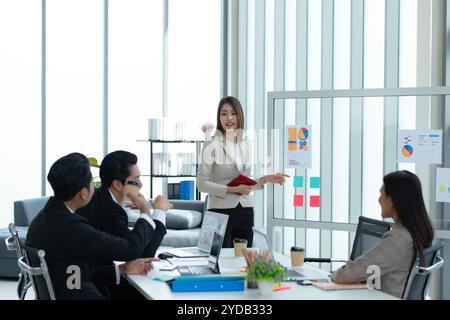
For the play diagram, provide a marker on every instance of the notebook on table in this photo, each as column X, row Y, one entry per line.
column 241, row 179
column 331, row 286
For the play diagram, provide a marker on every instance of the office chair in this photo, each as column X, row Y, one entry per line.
column 13, row 244
column 37, row 271
column 420, row 274
column 368, row 232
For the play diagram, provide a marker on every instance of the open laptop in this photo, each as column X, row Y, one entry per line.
column 293, row 274
column 212, row 222
column 213, row 261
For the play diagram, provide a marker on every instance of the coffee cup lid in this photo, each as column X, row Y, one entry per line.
column 237, row 240
column 299, row 249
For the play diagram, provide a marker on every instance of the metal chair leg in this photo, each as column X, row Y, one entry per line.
column 22, row 286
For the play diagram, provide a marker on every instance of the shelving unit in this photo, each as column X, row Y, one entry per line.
column 152, row 169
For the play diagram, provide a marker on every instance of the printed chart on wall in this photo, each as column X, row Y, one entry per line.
column 442, row 184
column 298, row 147
column 420, row 146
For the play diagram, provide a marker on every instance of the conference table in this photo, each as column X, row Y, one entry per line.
column 229, row 264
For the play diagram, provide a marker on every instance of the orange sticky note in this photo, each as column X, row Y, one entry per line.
column 298, row 200
column 282, row 287
column 314, row 201
column 292, row 133
column 292, row 146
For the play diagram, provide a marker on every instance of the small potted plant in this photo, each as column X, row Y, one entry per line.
column 207, row 129
column 264, row 270
column 93, row 162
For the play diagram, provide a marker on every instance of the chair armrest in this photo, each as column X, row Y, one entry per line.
column 427, row 270
column 9, row 242
column 33, row 271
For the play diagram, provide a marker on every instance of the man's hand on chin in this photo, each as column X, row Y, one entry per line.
column 162, row 203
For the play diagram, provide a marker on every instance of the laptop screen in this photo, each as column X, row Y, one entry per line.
column 215, row 250
column 212, row 222
column 260, row 240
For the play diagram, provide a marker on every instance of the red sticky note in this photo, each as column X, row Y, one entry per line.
column 314, row 201
column 298, row 200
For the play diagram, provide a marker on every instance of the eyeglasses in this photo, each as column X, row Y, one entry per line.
column 135, row 183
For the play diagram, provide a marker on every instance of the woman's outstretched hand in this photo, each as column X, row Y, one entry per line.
column 276, row 178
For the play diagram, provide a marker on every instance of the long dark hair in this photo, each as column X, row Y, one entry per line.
column 237, row 107
column 405, row 190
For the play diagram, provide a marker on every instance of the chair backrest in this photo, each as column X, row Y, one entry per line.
column 35, row 266
column 25, row 210
column 13, row 242
column 419, row 276
column 368, row 233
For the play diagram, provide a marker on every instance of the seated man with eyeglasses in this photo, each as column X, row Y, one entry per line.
column 69, row 240
column 120, row 178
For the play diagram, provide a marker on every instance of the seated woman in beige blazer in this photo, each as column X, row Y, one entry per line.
column 224, row 157
column 400, row 199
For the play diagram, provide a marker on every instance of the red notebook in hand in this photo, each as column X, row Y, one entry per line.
column 240, row 179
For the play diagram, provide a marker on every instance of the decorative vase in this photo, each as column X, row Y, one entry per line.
column 207, row 134
column 265, row 287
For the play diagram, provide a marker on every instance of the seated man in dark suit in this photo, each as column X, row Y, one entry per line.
column 69, row 240
column 118, row 172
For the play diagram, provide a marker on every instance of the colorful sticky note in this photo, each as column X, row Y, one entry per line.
column 298, row 200
column 292, row 146
column 280, row 287
column 292, row 133
column 314, row 201
column 298, row 182
column 314, row 183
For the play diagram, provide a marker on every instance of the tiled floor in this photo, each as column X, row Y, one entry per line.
column 8, row 290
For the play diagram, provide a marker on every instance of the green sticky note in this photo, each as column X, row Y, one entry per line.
column 314, row 183
column 298, row 182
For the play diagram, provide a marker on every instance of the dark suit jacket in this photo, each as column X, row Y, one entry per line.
column 68, row 239
column 106, row 215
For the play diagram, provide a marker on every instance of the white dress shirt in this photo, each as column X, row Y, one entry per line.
column 157, row 215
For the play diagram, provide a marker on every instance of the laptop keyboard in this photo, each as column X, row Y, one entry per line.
column 186, row 270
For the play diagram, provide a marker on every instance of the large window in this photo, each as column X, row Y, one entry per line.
column 314, row 45
column 74, row 78
column 103, row 68
column 194, row 60
column 20, row 103
column 135, row 76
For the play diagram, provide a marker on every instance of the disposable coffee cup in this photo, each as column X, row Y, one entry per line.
column 297, row 256
column 239, row 246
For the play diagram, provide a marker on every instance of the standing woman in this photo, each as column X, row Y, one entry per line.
column 224, row 157
column 400, row 199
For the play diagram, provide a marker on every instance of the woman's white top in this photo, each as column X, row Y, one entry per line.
column 220, row 162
